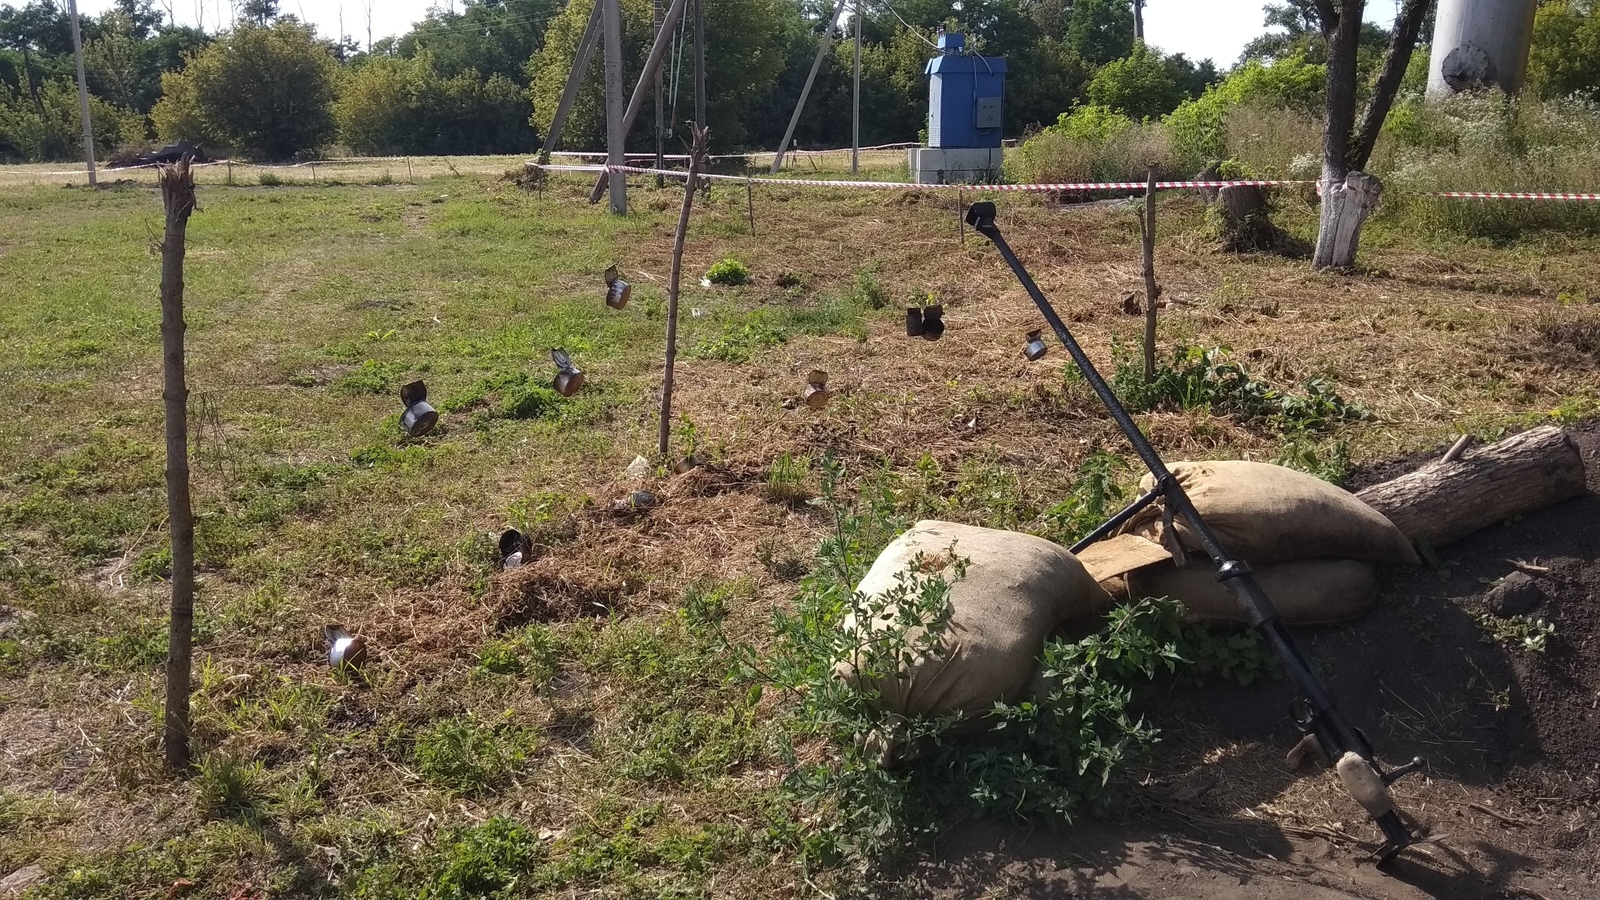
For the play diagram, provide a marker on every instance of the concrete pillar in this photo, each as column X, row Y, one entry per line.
column 1480, row 42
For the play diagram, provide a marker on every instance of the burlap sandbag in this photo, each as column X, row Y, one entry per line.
column 1017, row 590
column 1308, row 592
column 1269, row 514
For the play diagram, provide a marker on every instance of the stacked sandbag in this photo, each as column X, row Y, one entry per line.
column 1304, row 592
column 1016, row 590
column 1313, row 546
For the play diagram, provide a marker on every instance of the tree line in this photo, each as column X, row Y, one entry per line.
column 485, row 77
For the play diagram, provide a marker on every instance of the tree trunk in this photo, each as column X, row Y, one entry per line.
column 1343, row 40
column 1403, row 41
column 1344, row 209
column 1446, row 501
column 177, row 194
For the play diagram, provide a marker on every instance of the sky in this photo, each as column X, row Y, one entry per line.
column 1199, row 29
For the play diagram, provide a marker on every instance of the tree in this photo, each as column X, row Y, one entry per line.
column 1302, row 34
column 744, row 66
column 1344, row 148
column 259, row 12
column 1565, row 59
column 1100, row 30
column 1139, row 85
column 267, row 92
column 406, row 106
column 494, row 37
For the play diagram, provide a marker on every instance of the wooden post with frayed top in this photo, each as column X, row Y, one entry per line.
column 177, row 195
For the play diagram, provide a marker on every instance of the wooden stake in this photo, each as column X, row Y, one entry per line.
column 177, row 195
column 410, row 179
column 750, row 202
column 961, row 219
column 696, row 158
column 1152, row 291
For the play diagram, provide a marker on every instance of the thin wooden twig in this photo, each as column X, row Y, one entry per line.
column 1456, row 449
column 696, row 160
column 1509, row 820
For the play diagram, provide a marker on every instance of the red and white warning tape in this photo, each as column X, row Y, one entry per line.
column 825, row 182
column 1067, row 186
column 1508, row 195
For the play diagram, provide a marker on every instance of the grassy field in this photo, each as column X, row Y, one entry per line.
column 573, row 726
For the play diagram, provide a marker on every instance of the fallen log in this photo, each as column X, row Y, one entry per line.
column 1448, row 500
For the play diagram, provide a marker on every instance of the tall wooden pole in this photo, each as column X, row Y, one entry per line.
column 1138, row 21
column 699, row 64
column 652, row 67
column 615, row 136
column 660, row 111
column 855, row 103
column 816, row 65
column 580, row 67
column 697, row 155
column 83, row 93
column 177, row 195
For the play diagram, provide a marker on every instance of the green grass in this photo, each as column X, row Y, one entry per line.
column 617, row 750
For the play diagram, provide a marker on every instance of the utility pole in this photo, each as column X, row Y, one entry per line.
column 816, row 65
column 615, row 137
column 1138, row 21
column 660, row 111
column 855, row 103
column 699, row 65
column 83, row 93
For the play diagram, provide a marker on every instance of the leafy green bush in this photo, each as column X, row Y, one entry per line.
column 1040, row 758
column 230, row 787
column 866, row 291
column 1199, row 377
column 395, row 105
column 728, row 271
column 266, row 91
column 1091, row 143
column 1139, row 85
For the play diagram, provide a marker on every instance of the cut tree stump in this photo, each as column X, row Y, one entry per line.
column 1445, row 501
column 1246, row 224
